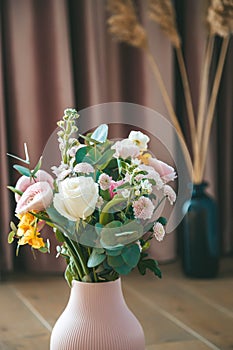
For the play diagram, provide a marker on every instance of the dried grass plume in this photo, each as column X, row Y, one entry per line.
column 162, row 12
column 220, row 17
column 124, row 25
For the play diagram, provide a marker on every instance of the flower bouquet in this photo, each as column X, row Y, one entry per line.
column 102, row 204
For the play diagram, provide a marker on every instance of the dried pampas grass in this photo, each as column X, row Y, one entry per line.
column 162, row 12
column 220, row 17
column 124, row 25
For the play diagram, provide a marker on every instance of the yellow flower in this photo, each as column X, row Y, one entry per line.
column 31, row 237
column 145, row 158
column 26, row 221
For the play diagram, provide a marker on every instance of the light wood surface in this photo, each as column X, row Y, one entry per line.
column 176, row 313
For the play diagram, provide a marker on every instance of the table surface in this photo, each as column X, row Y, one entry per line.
column 177, row 313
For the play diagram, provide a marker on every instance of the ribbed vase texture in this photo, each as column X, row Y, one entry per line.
column 97, row 318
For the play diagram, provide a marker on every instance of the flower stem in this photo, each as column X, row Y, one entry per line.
column 213, row 99
column 72, row 253
column 78, row 252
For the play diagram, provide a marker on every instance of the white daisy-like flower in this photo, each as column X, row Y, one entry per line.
column 139, row 139
column 169, row 193
column 159, row 231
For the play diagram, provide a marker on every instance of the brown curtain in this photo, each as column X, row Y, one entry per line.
column 57, row 54
column 36, row 87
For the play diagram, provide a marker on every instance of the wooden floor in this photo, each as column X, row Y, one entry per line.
column 176, row 313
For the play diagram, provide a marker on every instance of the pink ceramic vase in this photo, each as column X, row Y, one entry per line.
column 97, row 318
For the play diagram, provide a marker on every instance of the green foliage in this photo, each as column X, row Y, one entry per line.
column 81, row 153
column 37, row 167
column 151, row 264
column 22, row 170
column 116, row 234
column 96, row 258
column 11, row 236
column 13, row 189
column 162, row 220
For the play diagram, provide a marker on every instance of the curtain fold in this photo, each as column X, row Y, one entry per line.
column 5, row 252
column 38, row 86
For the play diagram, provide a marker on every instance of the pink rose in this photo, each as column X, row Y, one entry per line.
column 36, row 197
column 166, row 172
column 24, row 182
column 113, row 185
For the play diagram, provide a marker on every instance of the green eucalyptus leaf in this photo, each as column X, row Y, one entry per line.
column 65, row 225
column 114, row 252
column 81, row 153
column 87, row 236
column 123, row 269
column 115, row 261
column 131, row 255
column 22, row 170
column 105, row 159
column 92, row 156
column 98, row 228
column 95, row 259
column 118, row 235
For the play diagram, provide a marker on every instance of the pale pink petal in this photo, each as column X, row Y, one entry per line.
column 166, row 172
column 36, row 197
column 24, row 182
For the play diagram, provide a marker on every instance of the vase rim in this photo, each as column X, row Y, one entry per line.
column 75, row 282
column 201, row 184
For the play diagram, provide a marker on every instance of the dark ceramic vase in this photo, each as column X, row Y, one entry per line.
column 200, row 235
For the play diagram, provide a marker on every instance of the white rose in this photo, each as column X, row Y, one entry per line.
column 139, row 139
column 77, row 197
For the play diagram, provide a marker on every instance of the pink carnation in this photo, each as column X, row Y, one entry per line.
column 159, row 231
column 143, row 208
column 104, row 181
column 166, row 172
